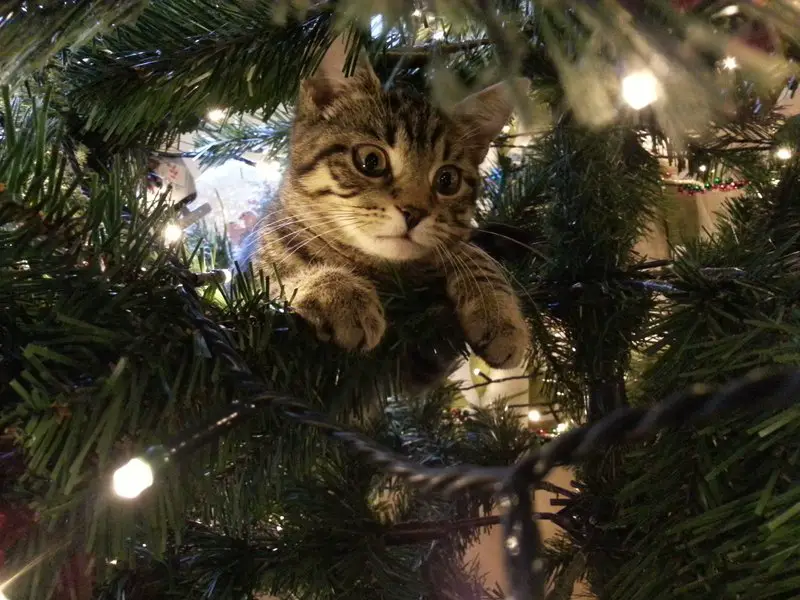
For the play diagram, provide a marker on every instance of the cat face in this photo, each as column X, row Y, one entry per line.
column 386, row 172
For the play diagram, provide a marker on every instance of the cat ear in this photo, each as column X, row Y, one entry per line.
column 329, row 81
column 486, row 112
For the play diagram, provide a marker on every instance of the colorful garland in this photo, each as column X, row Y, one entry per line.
column 717, row 184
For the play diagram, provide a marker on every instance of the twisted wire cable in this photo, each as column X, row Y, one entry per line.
column 760, row 389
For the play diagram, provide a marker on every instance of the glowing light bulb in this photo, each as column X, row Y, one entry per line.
column 270, row 170
column 729, row 11
column 730, row 63
column 534, row 416
column 376, row 25
column 640, row 89
column 783, row 153
column 562, row 427
column 476, row 371
column 215, row 115
column 702, row 168
column 172, row 233
column 132, row 478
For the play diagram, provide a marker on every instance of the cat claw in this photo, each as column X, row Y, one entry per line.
column 500, row 338
column 505, row 350
column 356, row 324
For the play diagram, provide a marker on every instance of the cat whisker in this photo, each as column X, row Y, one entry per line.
column 308, row 224
column 311, row 239
column 271, row 226
column 479, row 289
column 510, row 239
column 504, row 270
column 463, row 271
column 294, row 233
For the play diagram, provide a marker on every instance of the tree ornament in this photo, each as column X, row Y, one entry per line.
column 170, row 173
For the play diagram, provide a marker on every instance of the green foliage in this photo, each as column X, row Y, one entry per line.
column 188, row 59
column 101, row 360
column 56, row 28
column 717, row 506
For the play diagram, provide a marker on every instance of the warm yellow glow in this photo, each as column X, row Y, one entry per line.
column 172, row 233
column 562, row 427
column 534, row 416
column 215, row 115
column 640, row 89
column 2, row 595
column 730, row 63
column 783, row 153
column 131, row 479
column 476, row 371
column 702, row 168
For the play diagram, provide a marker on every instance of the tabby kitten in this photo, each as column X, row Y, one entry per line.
column 380, row 179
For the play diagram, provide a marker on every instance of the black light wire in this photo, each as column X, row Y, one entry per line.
column 761, row 389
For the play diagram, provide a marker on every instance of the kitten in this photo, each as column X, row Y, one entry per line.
column 379, row 180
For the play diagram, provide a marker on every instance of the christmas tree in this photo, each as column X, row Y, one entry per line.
column 170, row 429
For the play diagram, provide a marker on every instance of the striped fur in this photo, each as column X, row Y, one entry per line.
column 335, row 231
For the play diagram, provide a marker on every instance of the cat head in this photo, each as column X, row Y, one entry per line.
column 384, row 171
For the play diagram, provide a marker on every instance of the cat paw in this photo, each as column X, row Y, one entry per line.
column 500, row 337
column 350, row 315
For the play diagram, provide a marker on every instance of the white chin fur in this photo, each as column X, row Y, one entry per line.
column 385, row 245
column 393, row 248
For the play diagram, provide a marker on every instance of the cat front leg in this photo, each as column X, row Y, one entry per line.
column 340, row 305
column 487, row 308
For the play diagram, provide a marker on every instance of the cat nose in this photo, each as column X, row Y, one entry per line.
column 412, row 215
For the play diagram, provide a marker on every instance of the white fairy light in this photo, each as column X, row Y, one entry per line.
column 640, row 89
column 172, row 233
column 562, row 427
column 132, row 478
column 534, row 416
column 730, row 63
column 476, row 371
column 215, row 115
column 729, row 11
column 783, row 153
column 376, row 25
column 702, row 168
column 417, row 13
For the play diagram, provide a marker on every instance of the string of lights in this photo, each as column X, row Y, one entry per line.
column 513, row 486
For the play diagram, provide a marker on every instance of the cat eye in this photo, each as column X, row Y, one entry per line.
column 370, row 160
column 447, row 180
